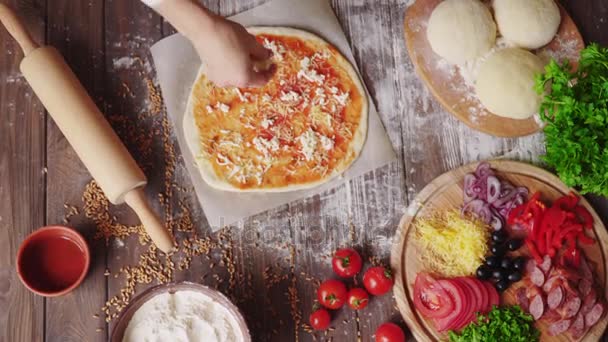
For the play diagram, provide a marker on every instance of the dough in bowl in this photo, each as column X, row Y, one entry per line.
column 529, row 24
column 505, row 84
column 461, row 30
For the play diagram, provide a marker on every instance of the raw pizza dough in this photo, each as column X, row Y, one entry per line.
column 461, row 30
column 263, row 153
column 505, row 85
column 529, row 24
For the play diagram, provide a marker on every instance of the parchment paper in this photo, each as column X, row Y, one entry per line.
column 177, row 65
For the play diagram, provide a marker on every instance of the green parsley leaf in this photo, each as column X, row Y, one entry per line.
column 575, row 111
column 500, row 324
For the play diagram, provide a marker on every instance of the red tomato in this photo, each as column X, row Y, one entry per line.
column 456, row 292
column 357, row 298
column 430, row 298
column 319, row 319
column 332, row 294
column 346, row 262
column 390, row 332
column 378, row 280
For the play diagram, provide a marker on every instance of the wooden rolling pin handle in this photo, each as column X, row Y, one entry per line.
column 15, row 28
column 136, row 199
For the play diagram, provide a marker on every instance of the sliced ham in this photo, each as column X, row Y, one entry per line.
column 559, row 327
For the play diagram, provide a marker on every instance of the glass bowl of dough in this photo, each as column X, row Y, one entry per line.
column 181, row 312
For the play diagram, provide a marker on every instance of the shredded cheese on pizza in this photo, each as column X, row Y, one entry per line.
column 295, row 130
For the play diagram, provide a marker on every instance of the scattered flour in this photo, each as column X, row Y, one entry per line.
column 124, row 62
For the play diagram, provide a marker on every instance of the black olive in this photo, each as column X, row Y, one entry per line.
column 493, row 261
column 498, row 250
column 484, row 272
column 502, row 285
column 519, row 263
column 495, row 244
column 514, row 244
column 506, row 263
column 514, row 277
column 499, row 236
column 500, row 274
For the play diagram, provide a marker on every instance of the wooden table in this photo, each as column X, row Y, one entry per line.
column 41, row 178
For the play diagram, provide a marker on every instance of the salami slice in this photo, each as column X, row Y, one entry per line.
column 530, row 265
column 585, row 269
column 584, row 286
column 594, row 315
column 571, row 307
column 559, row 327
column 537, row 277
column 537, row 307
column 551, row 283
column 589, row 301
column 522, row 298
column 577, row 328
column 546, row 265
column 555, row 298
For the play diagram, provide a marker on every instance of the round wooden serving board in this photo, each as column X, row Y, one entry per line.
column 450, row 89
column 445, row 192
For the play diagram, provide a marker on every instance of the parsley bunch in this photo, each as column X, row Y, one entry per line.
column 501, row 324
column 575, row 111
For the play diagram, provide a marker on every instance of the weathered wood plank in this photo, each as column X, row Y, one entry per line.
column 76, row 29
column 131, row 28
column 22, row 181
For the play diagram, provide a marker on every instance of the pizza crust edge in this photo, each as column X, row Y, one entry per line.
column 205, row 168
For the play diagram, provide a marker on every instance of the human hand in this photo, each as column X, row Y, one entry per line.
column 231, row 55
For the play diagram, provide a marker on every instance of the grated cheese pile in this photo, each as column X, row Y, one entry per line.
column 452, row 245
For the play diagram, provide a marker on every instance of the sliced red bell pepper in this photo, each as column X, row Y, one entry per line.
column 584, row 239
column 516, row 213
column 567, row 202
column 570, row 228
column 534, row 251
column 584, row 216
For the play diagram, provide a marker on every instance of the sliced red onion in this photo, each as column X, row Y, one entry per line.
column 480, row 209
column 489, row 198
column 497, row 221
column 468, row 194
column 493, row 189
column 483, row 170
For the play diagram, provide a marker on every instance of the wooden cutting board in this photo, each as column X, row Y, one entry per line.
column 445, row 192
column 450, row 89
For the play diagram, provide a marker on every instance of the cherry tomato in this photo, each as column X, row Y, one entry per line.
column 346, row 262
column 390, row 332
column 357, row 298
column 319, row 319
column 332, row 294
column 378, row 280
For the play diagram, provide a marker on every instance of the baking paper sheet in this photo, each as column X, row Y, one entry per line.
column 177, row 65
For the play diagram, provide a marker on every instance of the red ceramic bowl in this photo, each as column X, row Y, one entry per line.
column 53, row 261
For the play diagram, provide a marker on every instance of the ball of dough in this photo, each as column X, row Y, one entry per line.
column 461, row 30
column 505, row 83
column 527, row 23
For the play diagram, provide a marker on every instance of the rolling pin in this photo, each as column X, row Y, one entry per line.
column 85, row 128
